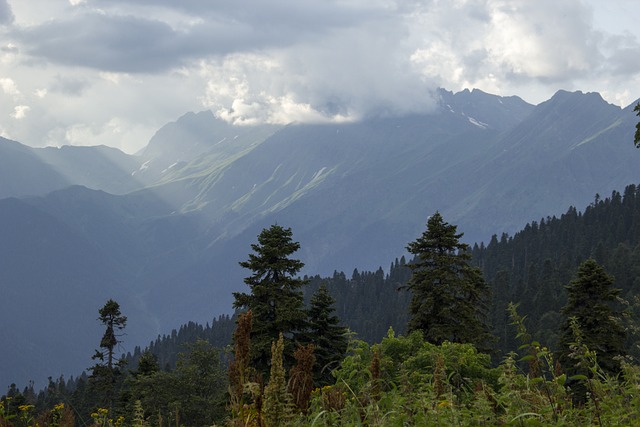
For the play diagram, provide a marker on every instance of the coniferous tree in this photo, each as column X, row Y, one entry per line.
column 276, row 300
column 107, row 373
column 147, row 364
column 589, row 301
column 200, row 385
column 449, row 296
column 326, row 334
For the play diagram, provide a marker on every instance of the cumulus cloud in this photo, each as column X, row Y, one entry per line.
column 388, row 63
column 548, row 40
column 9, row 87
column 347, row 76
column 507, row 41
column 20, row 111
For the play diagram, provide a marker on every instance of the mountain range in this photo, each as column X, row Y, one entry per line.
column 162, row 231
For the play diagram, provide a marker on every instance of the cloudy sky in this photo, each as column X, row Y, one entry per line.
column 87, row 72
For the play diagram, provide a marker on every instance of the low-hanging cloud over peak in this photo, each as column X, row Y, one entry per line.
column 289, row 60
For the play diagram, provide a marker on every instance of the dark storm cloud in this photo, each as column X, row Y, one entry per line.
column 284, row 15
column 112, row 41
column 6, row 15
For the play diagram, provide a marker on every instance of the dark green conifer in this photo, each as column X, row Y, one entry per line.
column 276, row 300
column 449, row 296
column 327, row 336
column 590, row 297
column 106, row 374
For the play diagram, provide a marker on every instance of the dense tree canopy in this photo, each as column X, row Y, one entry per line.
column 449, row 296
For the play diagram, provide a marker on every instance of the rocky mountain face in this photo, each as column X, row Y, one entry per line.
column 163, row 231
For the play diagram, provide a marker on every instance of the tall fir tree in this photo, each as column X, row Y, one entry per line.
column 590, row 297
column 276, row 300
column 449, row 296
column 328, row 337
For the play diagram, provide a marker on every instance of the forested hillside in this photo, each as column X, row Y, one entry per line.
column 354, row 193
column 531, row 269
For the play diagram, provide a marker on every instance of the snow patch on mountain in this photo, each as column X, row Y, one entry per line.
column 478, row 123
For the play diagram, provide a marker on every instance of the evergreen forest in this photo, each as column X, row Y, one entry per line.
column 538, row 328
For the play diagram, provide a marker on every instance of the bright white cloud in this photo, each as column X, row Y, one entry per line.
column 20, row 111
column 9, row 87
column 548, row 39
column 114, row 71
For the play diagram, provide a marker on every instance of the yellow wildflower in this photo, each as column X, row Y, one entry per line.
column 443, row 404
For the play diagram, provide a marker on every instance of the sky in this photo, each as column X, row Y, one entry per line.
column 112, row 72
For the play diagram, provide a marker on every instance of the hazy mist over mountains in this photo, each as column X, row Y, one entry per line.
column 162, row 231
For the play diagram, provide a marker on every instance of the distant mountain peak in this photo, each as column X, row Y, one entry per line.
column 578, row 97
column 492, row 111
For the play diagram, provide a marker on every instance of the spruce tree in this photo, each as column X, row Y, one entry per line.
column 589, row 301
column 449, row 296
column 276, row 300
column 327, row 336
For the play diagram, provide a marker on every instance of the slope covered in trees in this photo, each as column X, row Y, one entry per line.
column 531, row 268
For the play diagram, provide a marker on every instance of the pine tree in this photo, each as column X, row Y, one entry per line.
column 327, row 336
column 276, row 298
column 449, row 296
column 589, row 300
